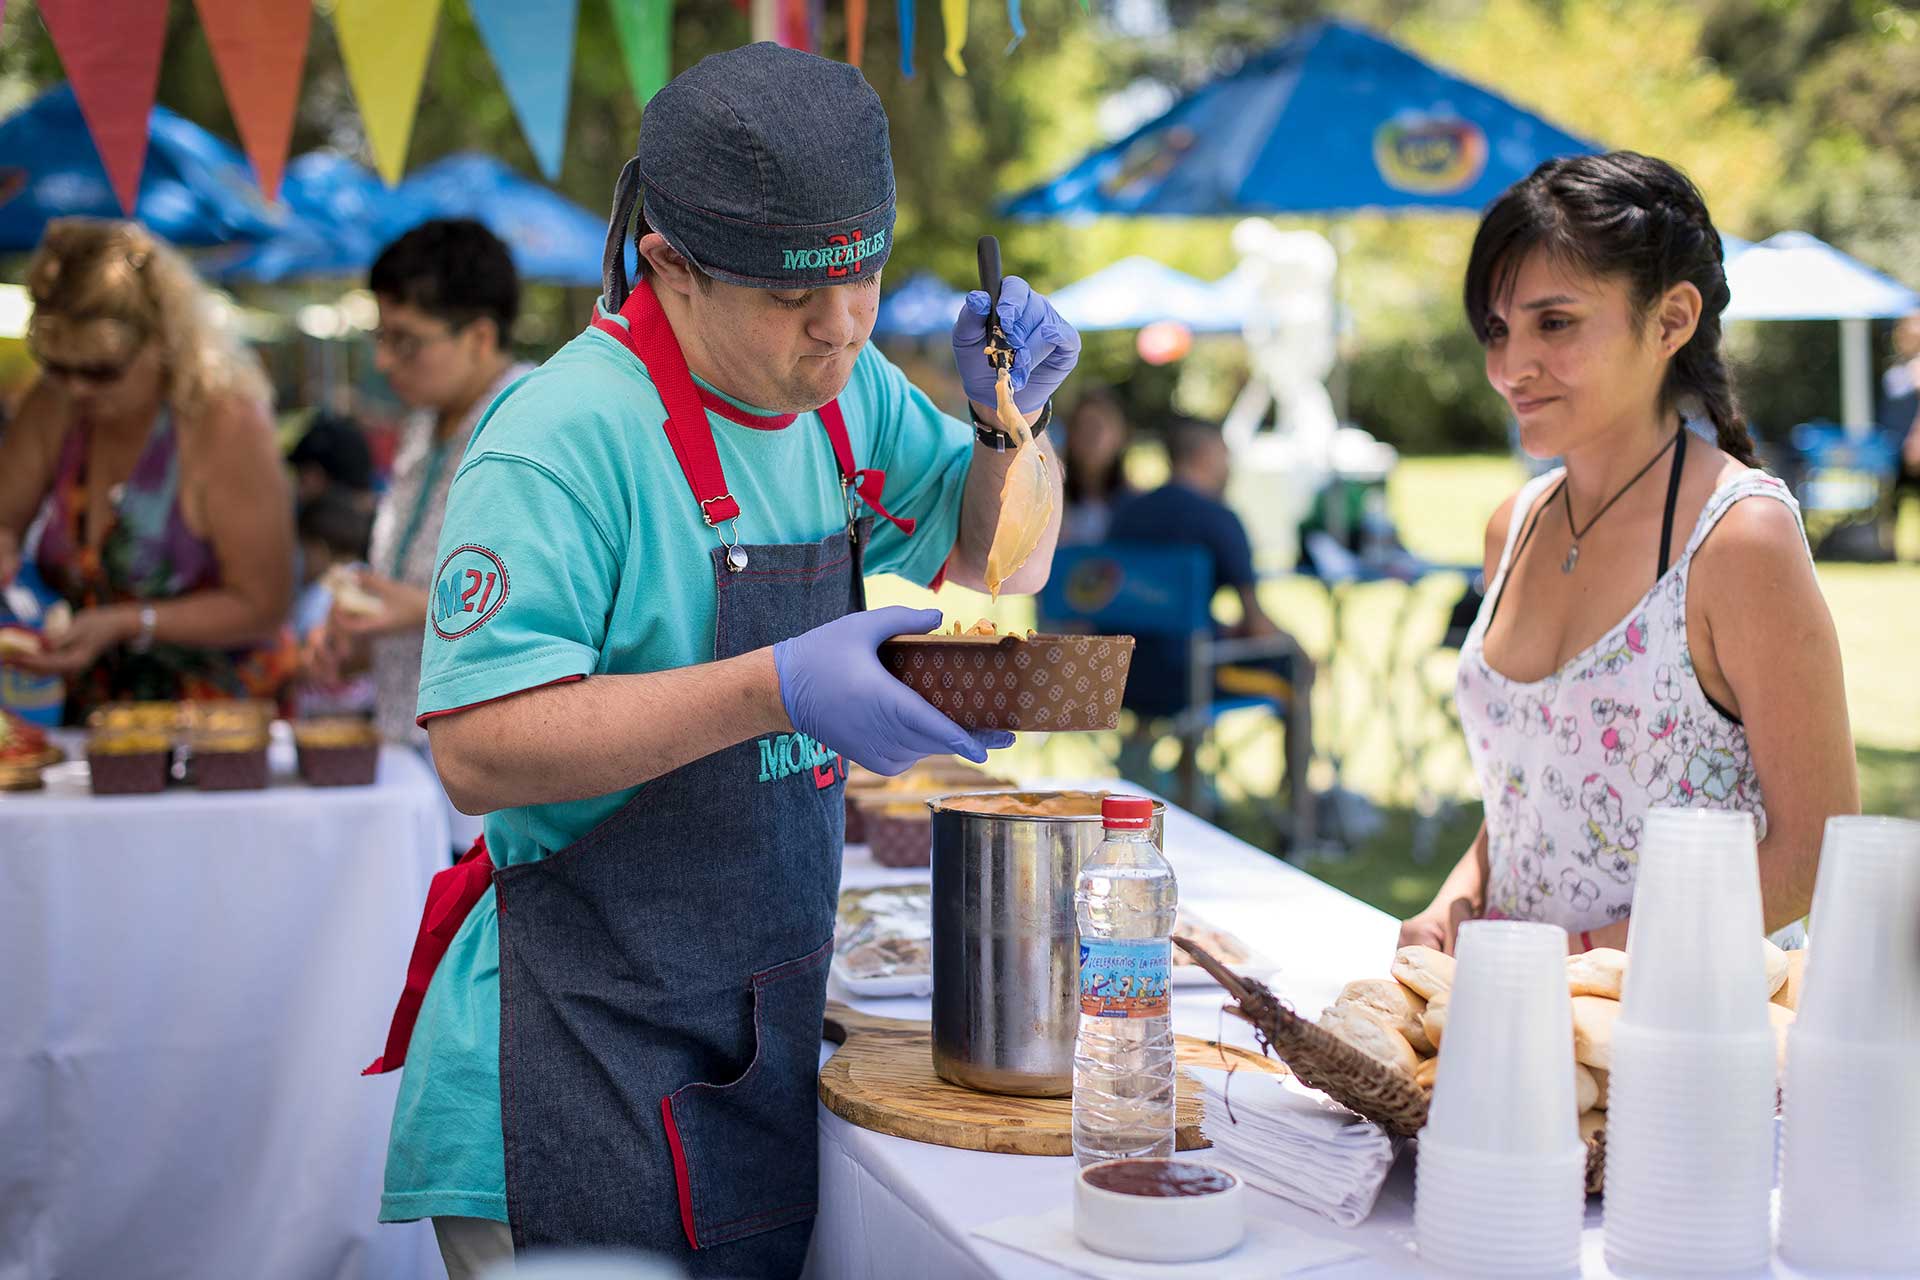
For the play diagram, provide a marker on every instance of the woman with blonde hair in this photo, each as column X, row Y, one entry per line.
column 144, row 462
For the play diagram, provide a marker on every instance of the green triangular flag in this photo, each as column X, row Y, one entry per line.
column 645, row 29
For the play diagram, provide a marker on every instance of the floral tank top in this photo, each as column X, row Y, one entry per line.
column 1569, row 765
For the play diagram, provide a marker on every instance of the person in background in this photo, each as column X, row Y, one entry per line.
column 448, row 296
column 332, row 457
column 1901, row 411
column 1094, row 456
column 1189, row 510
column 146, row 450
column 333, row 533
column 1653, row 633
column 333, row 529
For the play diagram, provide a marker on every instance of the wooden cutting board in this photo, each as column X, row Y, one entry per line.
column 882, row 1078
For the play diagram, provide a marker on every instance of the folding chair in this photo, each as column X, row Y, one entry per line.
column 1845, row 488
column 1167, row 592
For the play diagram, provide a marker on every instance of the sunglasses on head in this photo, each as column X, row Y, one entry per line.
column 94, row 374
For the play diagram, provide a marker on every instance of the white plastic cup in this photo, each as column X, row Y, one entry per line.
column 1863, row 970
column 1850, row 1165
column 1498, row 1215
column 1500, row 1179
column 1697, row 965
column 1505, row 1084
column 1690, row 1149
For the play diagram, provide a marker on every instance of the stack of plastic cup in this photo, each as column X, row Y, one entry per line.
column 1500, row 1181
column 1690, row 1133
column 1850, row 1165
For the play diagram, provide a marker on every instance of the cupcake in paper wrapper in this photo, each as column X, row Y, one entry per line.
column 899, row 833
column 337, row 751
column 1040, row 684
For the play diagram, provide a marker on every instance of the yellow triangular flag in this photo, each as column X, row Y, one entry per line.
column 385, row 44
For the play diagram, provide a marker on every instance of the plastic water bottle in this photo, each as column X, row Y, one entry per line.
column 1123, row 1093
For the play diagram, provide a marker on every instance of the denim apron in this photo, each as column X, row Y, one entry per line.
column 663, row 979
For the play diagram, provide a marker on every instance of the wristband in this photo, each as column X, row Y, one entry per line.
column 143, row 638
column 1586, row 940
column 996, row 438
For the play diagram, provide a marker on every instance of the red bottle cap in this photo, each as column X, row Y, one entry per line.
column 1126, row 813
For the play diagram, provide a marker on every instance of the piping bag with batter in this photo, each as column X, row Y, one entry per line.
column 1026, row 495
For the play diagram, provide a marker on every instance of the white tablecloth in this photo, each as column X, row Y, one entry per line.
column 190, row 984
column 890, row 1207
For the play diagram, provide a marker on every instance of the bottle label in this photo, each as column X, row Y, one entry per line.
column 1125, row 977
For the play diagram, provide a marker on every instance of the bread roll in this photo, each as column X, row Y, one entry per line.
column 1600, row 1080
column 1394, row 1002
column 1369, row 1033
column 1586, row 1090
column 1434, row 1020
column 1599, row 972
column 1789, row 992
column 1591, row 1123
column 1593, row 1018
column 1424, row 970
column 1778, row 966
column 1427, row 1072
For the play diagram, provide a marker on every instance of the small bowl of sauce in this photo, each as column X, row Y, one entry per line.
column 1156, row 1209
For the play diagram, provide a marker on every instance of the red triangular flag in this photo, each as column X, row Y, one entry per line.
column 259, row 49
column 111, row 50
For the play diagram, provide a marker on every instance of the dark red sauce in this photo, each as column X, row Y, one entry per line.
column 1157, row 1177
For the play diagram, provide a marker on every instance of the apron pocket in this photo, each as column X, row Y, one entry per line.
column 743, row 1153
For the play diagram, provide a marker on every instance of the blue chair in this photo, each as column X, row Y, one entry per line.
column 1845, row 488
column 1167, row 592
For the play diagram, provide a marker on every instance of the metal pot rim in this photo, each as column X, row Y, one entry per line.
column 949, row 803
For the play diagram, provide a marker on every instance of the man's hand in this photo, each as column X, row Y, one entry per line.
column 388, row 607
column 836, row 692
column 1045, row 347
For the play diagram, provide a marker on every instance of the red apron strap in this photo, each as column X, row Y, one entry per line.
column 869, row 484
column 450, row 897
column 650, row 338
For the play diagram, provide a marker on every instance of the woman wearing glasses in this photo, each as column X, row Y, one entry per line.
column 448, row 296
column 144, row 459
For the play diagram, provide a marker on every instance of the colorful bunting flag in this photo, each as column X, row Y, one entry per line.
column 111, row 51
column 794, row 25
column 905, row 10
column 954, row 14
column 856, row 30
column 384, row 44
column 645, row 32
column 532, row 48
column 259, row 50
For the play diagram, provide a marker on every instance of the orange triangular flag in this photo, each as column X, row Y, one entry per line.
column 111, row 50
column 259, row 49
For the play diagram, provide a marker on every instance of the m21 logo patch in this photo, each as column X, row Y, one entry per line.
column 469, row 589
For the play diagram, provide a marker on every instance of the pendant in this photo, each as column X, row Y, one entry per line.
column 736, row 558
column 1573, row 558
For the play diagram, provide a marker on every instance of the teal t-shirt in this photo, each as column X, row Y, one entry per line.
column 573, row 547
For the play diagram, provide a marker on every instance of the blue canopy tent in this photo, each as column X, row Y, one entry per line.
column 345, row 214
column 1135, row 292
column 195, row 190
column 924, row 307
column 1334, row 118
column 552, row 238
column 1796, row 276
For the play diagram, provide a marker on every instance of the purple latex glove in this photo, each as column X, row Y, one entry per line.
column 1045, row 346
column 837, row 693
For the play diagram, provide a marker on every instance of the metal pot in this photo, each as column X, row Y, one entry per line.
column 1006, row 946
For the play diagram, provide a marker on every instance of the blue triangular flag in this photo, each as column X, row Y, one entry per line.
column 531, row 42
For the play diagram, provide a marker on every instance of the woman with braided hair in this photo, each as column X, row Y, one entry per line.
column 1653, row 633
column 145, row 458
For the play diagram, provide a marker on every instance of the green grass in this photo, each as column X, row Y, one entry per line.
column 1441, row 506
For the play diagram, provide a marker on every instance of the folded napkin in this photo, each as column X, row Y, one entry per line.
column 1271, row 1249
column 1294, row 1142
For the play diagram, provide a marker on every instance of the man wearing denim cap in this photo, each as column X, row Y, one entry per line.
column 648, row 660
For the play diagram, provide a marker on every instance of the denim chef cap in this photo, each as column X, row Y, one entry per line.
column 764, row 166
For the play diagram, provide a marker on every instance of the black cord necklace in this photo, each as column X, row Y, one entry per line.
column 1573, row 551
